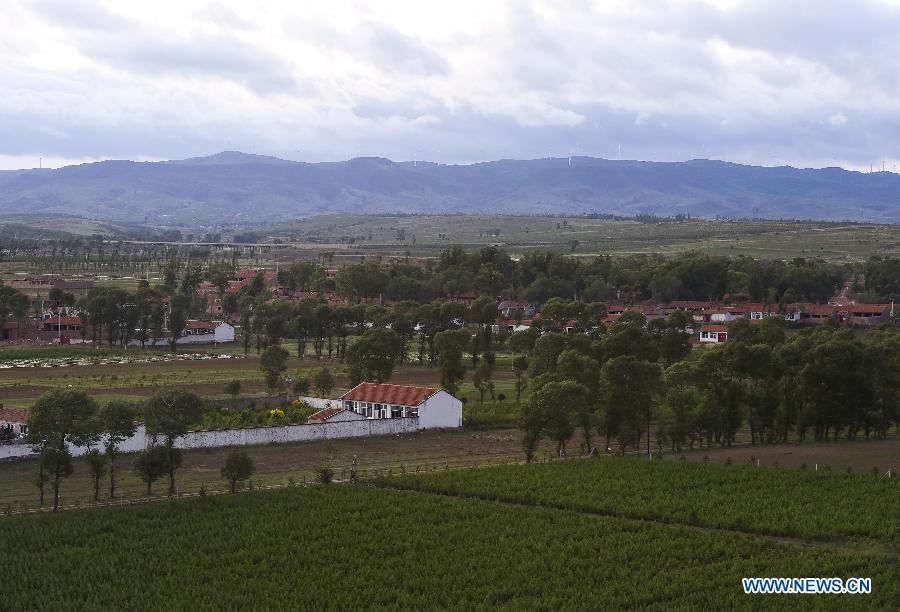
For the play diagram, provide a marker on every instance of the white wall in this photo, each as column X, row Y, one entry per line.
column 440, row 410
column 224, row 333
column 255, row 435
column 320, row 403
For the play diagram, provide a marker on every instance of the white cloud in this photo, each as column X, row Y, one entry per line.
column 742, row 80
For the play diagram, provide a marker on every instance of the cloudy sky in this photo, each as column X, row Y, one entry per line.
column 769, row 82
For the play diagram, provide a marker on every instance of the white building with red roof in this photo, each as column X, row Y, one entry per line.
column 714, row 334
column 13, row 423
column 432, row 406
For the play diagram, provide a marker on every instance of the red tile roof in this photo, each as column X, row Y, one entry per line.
column 403, row 395
column 203, row 324
column 62, row 321
column 756, row 307
column 323, row 415
column 714, row 328
column 818, row 309
column 693, row 304
column 13, row 415
column 868, row 308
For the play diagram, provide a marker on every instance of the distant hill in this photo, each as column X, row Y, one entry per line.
column 234, row 187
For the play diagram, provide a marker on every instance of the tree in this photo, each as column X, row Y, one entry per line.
column 238, row 466
column 245, row 307
column 116, row 422
column 60, row 418
column 301, row 385
column 170, row 414
column 303, row 324
column 177, row 320
column 273, row 363
column 678, row 419
column 13, row 304
column 96, row 462
column 63, row 297
column 374, row 356
column 836, row 385
column 577, row 367
column 449, row 345
column 297, row 276
column 628, row 387
column 324, row 381
column 43, row 473
column 482, row 381
column 363, row 281
column 531, row 422
column 522, row 341
column 520, row 369
column 675, row 341
column 233, row 388
column 151, row 464
column 543, row 357
column 627, row 336
column 484, row 312
column 551, row 409
column 742, row 330
column 219, row 274
column 275, row 320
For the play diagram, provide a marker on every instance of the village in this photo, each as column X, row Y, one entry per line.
column 366, row 319
column 52, row 315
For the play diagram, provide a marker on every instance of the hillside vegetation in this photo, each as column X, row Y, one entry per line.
column 233, row 187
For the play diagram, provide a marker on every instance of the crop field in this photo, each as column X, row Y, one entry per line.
column 354, row 547
column 796, row 503
column 427, row 235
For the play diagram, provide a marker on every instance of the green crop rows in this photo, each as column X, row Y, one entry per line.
column 355, row 547
column 807, row 504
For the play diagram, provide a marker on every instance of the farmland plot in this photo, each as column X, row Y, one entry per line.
column 806, row 504
column 353, row 547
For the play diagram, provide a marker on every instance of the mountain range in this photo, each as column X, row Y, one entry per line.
column 244, row 189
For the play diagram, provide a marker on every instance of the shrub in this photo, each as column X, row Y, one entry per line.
column 324, row 475
column 238, row 466
column 233, row 388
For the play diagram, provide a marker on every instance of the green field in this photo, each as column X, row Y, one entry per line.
column 798, row 503
column 355, row 547
column 428, row 235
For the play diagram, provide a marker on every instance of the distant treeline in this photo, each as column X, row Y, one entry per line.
column 538, row 276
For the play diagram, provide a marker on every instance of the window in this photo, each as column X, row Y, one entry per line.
column 412, row 412
column 379, row 411
column 396, row 412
